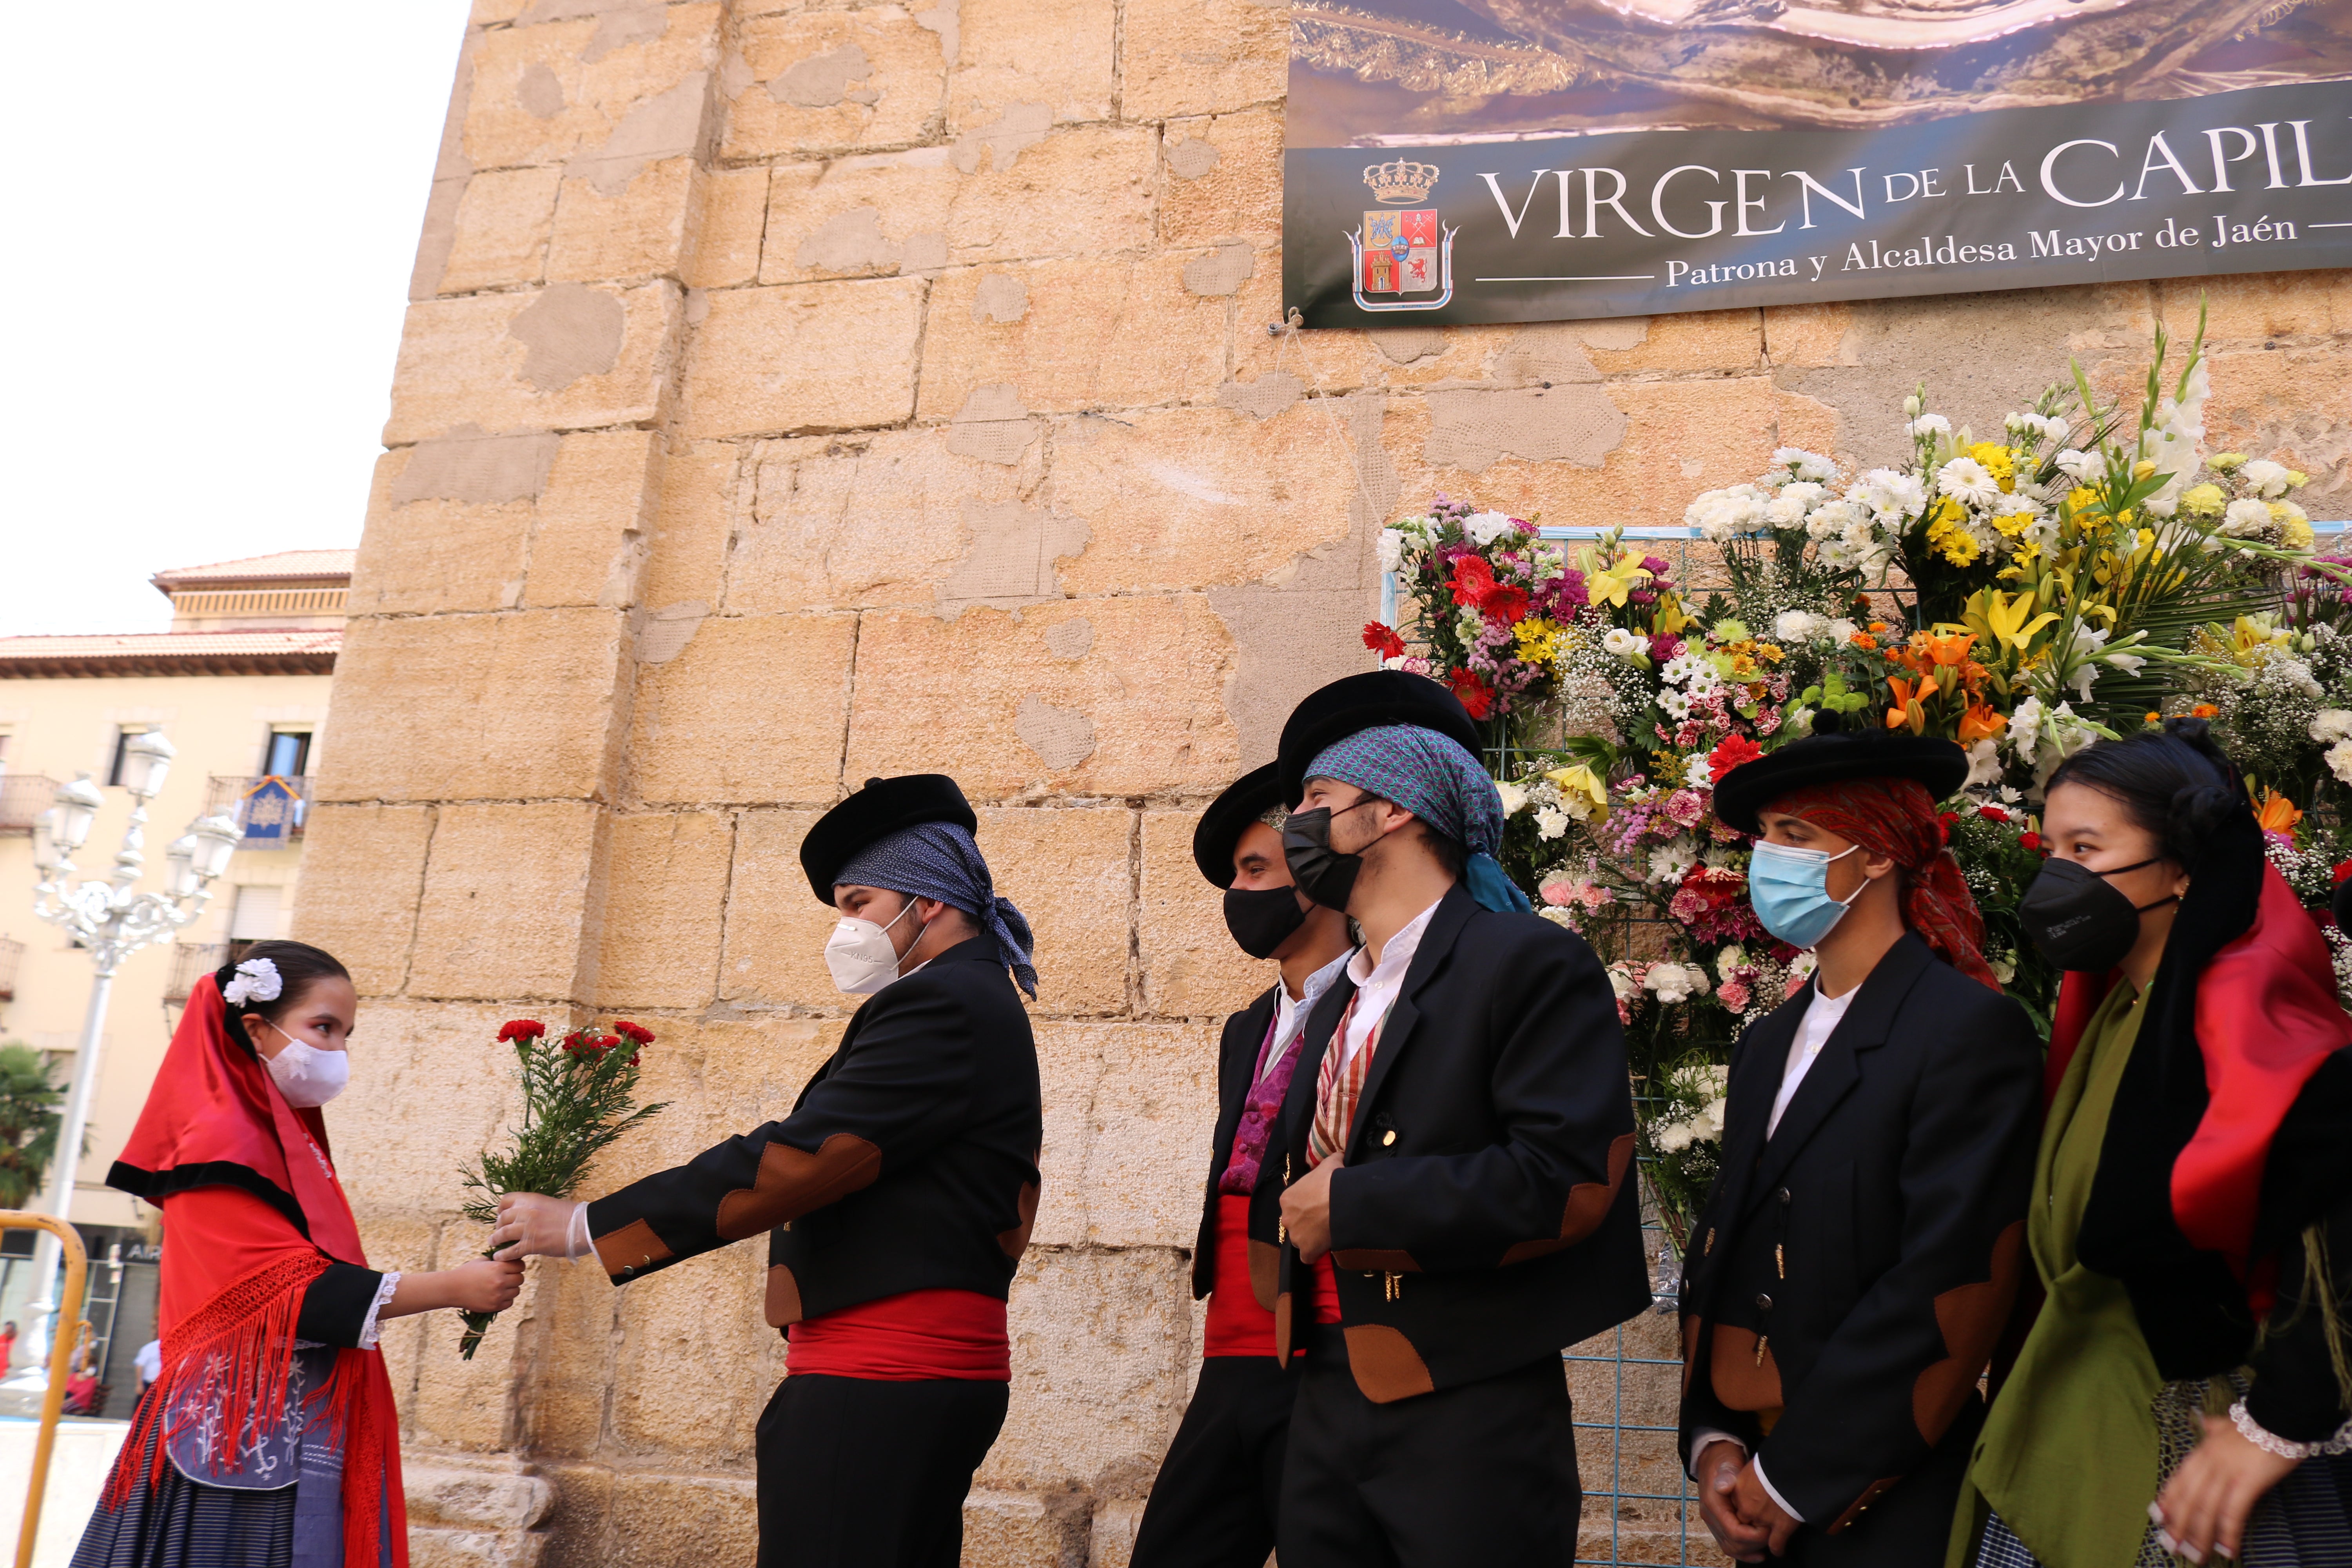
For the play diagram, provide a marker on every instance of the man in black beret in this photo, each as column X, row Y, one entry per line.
column 897, row 1197
column 1458, row 1147
column 1214, row 1505
column 1861, row 1249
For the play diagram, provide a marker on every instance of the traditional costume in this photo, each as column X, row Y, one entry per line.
column 271, row 1439
column 897, row 1197
column 1862, row 1247
column 1218, row 1492
column 2194, row 1183
column 1474, row 1085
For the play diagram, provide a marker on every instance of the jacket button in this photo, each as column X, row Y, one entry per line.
column 1388, row 1138
column 1784, row 1198
column 1763, row 1303
column 1710, row 1247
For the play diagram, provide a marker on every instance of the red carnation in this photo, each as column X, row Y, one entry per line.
column 2030, row 840
column 1992, row 813
column 1382, row 640
column 519, row 1030
column 1476, row 696
column 1734, row 751
column 636, row 1033
column 2343, row 872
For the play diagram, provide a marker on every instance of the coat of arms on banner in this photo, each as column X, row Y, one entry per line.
column 1403, row 253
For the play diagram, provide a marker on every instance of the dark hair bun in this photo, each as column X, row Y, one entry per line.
column 2175, row 783
column 2198, row 812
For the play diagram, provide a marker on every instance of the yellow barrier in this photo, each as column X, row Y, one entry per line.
column 61, row 1348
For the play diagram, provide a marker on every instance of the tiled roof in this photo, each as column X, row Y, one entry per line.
column 307, row 652
column 287, row 565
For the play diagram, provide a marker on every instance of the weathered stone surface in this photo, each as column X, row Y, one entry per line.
column 679, row 1521
column 1223, row 179
column 1025, row 1530
column 1092, row 334
column 494, row 1497
column 749, row 709
column 730, row 213
column 1690, row 342
column 1057, row 53
column 1068, row 870
column 1190, row 968
column 1201, row 56
column 692, row 521
column 776, row 930
column 479, row 361
column 696, row 1360
column 831, row 356
column 475, row 707
column 442, row 554
column 862, row 216
column 1129, row 1109
column 615, row 85
column 504, row 910
column 503, row 222
column 638, row 230
column 1187, row 498
column 1152, row 688
column 1084, row 190
column 666, row 898
column 2295, row 407
column 2268, row 308
column 589, row 543
column 832, row 81
column 1098, row 1367
column 362, row 869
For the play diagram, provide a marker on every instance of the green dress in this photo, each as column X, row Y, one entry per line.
column 2069, row 1457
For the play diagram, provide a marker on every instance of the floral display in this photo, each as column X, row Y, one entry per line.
column 579, row 1095
column 2091, row 569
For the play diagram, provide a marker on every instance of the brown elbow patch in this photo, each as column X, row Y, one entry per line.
column 1970, row 1318
column 1741, row 1378
column 1376, row 1260
column 633, row 1247
column 1690, row 1347
column 784, row 1303
column 1386, row 1366
column 1265, row 1272
column 1870, row 1494
column 1015, row 1242
column 1282, row 1328
column 1588, row 1204
column 791, row 1182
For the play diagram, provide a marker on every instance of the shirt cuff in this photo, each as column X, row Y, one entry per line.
column 1708, row 1438
column 1766, row 1482
column 576, row 1240
column 369, row 1328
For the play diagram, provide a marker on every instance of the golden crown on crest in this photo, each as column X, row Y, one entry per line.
column 1400, row 182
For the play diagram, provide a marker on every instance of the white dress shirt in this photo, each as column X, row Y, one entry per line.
column 1377, row 985
column 1290, row 1014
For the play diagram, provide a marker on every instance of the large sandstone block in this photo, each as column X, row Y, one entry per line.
column 697, row 1361
column 1195, row 497
column 589, row 544
column 1129, row 1112
column 1060, row 54
column 505, row 911
column 1098, row 1368
column 776, row 930
column 832, row 81
column 1073, row 335
column 432, row 1087
column 1201, row 56
column 1025, row 1530
column 475, row 707
column 749, row 709
column 827, row 356
column 423, row 551
column 864, row 216
column 692, row 521
column 1130, row 702
column 362, row 869
column 902, row 517
column 402, row 1239
column 730, row 213
column 2259, row 307
column 720, row 1074
column 563, row 1361
column 504, row 219
column 1696, row 343
column 611, row 86
column 567, row 356
column 2294, row 405
column 623, row 228
column 1221, row 179
column 680, row 1521
column 1191, row 968
column 1068, row 870
column 665, row 900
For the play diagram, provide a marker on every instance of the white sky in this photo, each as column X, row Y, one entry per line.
column 212, row 217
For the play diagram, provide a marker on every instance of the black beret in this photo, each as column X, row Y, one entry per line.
column 1827, row 757
column 872, row 814
column 1229, row 815
column 1359, row 702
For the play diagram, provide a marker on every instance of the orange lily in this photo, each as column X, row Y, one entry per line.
column 1907, row 710
column 1951, row 652
column 2278, row 814
column 1981, row 722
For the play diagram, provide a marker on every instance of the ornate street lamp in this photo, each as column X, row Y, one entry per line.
column 111, row 922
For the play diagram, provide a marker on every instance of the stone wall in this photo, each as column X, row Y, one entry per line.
column 793, row 393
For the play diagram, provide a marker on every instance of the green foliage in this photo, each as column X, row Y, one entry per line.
column 29, row 1097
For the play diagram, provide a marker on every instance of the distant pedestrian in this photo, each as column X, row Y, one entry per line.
column 150, row 1362
column 7, row 1345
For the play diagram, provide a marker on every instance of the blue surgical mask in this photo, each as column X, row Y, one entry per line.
column 1789, row 890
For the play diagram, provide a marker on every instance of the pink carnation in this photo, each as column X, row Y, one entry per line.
column 1733, row 994
column 1685, row 806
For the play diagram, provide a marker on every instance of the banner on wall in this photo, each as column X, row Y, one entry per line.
column 1561, row 159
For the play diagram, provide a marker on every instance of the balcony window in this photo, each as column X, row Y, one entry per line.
column 289, row 754
column 23, row 797
column 122, row 738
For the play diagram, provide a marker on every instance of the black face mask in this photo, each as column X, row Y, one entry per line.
column 1322, row 873
column 2078, row 920
column 1262, row 919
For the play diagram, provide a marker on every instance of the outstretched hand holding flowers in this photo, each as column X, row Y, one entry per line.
column 578, row 1096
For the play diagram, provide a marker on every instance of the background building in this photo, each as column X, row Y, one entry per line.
column 238, row 684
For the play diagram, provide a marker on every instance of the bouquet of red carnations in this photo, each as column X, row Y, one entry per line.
column 579, row 1094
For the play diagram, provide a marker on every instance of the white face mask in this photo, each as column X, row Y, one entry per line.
column 307, row 1076
column 860, row 955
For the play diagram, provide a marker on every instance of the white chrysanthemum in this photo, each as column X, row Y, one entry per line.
column 1929, row 424
column 1625, row 645
column 2339, row 761
column 1674, row 704
column 1969, row 482
column 1726, row 513
column 1680, row 668
column 1704, row 682
column 1698, row 774
column 1800, row 626
column 1485, row 527
column 2080, row 467
column 1810, row 466
column 1671, row 1137
column 1514, row 798
column 2265, row 477
column 1890, row 494
column 2332, row 725
column 1391, row 548
column 1730, row 960
column 1551, row 822
column 1671, row 861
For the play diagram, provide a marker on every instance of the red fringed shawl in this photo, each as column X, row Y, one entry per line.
column 1897, row 819
column 252, row 1214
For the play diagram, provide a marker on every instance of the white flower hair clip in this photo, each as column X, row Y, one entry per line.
column 257, row 980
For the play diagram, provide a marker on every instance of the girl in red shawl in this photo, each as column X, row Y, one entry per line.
column 271, row 1440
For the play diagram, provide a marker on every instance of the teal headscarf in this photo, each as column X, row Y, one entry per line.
column 1433, row 778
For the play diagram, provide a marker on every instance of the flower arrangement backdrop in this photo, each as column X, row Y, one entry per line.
column 2089, row 570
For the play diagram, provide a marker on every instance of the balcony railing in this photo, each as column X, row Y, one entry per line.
column 24, row 797
column 10, row 952
column 267, row 818
column 192, row 961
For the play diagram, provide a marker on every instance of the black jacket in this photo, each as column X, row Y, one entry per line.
column 1237, row 1071
column 1884, row 1220
column 910, row 1162
column 1486, row 1213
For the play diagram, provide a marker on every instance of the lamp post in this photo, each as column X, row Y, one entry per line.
column 112, row 922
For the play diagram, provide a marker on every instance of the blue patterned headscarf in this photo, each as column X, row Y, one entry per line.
column 939, row 860
column 1433, row 778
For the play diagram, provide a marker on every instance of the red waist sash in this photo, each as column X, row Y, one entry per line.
column 912, row 1337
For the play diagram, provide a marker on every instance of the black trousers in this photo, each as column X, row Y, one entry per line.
column 859, row 1473
column 1485, row 1473
column 1219, row 1489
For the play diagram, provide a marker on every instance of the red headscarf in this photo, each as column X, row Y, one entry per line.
column 1897, row 819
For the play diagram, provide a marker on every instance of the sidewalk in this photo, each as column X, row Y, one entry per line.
column 78, row 1466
